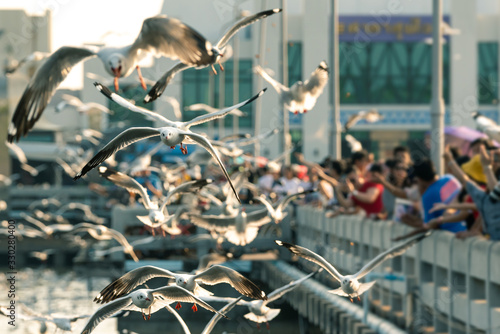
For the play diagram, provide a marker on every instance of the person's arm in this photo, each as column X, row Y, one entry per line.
column 396, row 191
column 475, row 230
column 367, row 197
column 456, row 206
column 345, row 202
column 412, row 220
column 319, row 170
column 454, row 167
column 152, row 188
column 488, row 169
column 327, row 178
column 436, row 222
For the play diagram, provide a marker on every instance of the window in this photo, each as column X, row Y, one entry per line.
column 201, row 86
column 121, row 114
column 295, row 62
column 487, row 73
column 388, row 73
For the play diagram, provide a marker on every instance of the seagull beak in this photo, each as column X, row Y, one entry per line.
column 148, row 299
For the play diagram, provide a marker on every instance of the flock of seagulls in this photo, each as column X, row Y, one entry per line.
column 169, row 37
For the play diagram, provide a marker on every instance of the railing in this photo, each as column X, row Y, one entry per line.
column 451, row 285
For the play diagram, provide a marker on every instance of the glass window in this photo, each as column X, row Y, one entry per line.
column 388, row 73
column 487, row 73
column 295, row 62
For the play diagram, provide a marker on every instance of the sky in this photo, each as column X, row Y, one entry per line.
column 75, row 22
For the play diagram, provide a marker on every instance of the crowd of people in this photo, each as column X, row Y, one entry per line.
column 465, row 200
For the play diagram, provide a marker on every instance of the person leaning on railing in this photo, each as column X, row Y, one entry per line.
column 486, row 202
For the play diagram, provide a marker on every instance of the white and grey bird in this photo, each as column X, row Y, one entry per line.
column 172, row 134
column 88, row 215
column 234, row 148
column 211, row 276
column 14, row 65
column 349, row 284
column 144, row 300
column 44, row 203
column 239, row 229
column 487, row 126
column 25, row 313
column 354, row 144
column 301, row 96
column 23, row 160
column 159, row 36
column 216, row 53
column 371, row 116
column 225, row 310
column 71, row 100
column 176, row 106
column 277, row 211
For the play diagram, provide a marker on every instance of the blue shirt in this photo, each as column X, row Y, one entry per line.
column 443, row 190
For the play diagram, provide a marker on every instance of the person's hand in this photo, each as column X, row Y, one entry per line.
column 438, row 207
column 299, row 156
column 485, row 156
column 349, row 185
column 433, row 224
column 467, row 234
column 447, row 154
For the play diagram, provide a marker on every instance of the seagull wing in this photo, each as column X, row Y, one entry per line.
column 318, row 80
column 208, row 146
column 353, row 119
column 18, row 152
column 129, row 282
column 313, row 257
column 201, row 106
column 41, row 88
column 162, row 83
column 280, row 292
column 123, row 140
column 220, row 274
column 211, row 324
column 169, row 37
column 176, row 293
column 279, row 87
column 243, row 23
column 185, row 328
column 106, row 311
column 287, row 199
column 220, row 113
column 126, row 104
column 390, row 253
column 186, row 187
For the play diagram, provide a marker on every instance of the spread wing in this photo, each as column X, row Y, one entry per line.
column 220, row 274
column 105, row 312
column 123, row 140
column 41, row 88
column 177, row 294
column 318, row 80
column 211, row 324
column 313, row 257
column 169, row 37
column 243, row 23
column 221, row 113
column 129, row 282
column 390, row 253
column 126, row 104
column 162, row 83
column 280, row 292
column 278, row 86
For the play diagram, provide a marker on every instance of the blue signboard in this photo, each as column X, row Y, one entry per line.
column 385, row 28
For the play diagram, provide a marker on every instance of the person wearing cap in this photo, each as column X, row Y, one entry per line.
column 487, row 203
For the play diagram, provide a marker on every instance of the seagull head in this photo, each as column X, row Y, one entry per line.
column 347, row 282
column 156, row 216
column 181, row 281
column 116, row 63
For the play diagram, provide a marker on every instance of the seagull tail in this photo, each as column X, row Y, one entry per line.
column 339, row 292
column 156, row 91
column 365, row 287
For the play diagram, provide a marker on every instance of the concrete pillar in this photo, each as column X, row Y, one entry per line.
column 463, row 63
column 316, row 123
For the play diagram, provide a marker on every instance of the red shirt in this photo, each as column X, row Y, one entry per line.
column 370, row 208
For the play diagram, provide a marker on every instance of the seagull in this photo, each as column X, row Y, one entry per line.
column 171, row 135
column 159, row 35
column 371, row 116
column 34, row 57
column 141, row 300
column 176, row 107
column 349, row 284
column 158, row 215
column 301, row 96
column 279, row 213
column 240, row 229
column 487, row 126
column 210, row 109
column 27, row 314
column 144, row 160
column 217, row 52
column 211, row 276
column 354, row 144
column 233, row 148
column 87, row 212
column 22, row 159
column 225, row 310
column 79, row 105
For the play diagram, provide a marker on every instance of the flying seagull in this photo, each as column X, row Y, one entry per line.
column 159, row 35
column 211, row 324
column 172, row 134
column 277, row 212
column 354, row 144
column 213, row 275
column 301, row 96
column 487, row 126
column 141, row 300
column 349, row 284
column 216, row 53
column 371, row 116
